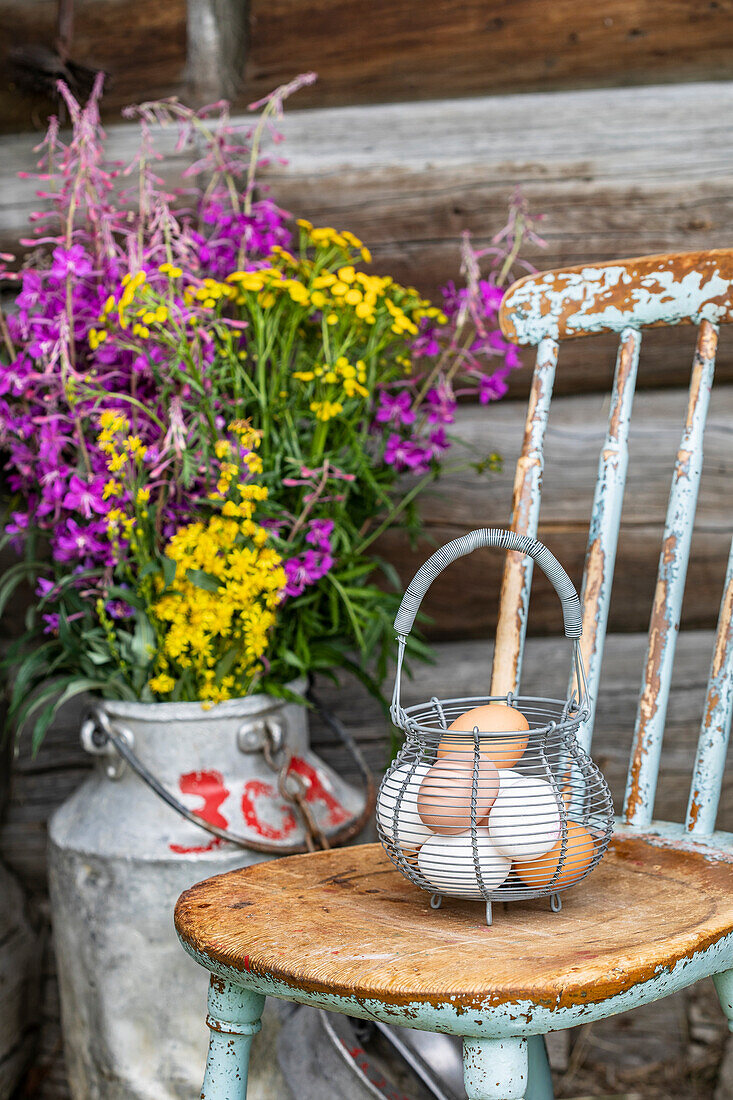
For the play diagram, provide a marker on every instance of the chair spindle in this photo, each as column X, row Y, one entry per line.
column 605, row 522
column 517, row 579
column 712, row 745
column 665, row 617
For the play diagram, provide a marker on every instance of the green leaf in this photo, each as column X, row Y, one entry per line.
column 75, row 686
column 127, row 595
column 15, row 576
column 226, row 663
column 201, row 579
column 142, row 642
column 169, row 570
column 34, row 665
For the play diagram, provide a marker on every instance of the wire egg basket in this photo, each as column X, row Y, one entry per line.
column 491, row 797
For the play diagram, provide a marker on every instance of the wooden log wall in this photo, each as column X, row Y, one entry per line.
column 379, row 52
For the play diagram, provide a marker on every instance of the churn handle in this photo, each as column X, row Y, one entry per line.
column 505, row 540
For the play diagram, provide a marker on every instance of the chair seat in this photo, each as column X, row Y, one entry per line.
column 345, row 922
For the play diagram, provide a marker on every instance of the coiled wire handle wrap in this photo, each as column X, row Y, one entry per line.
column 459, row 548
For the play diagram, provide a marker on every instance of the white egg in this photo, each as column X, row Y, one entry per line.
column 401, row 786
column 447, row 864
column 508, row 775
column 525, row 820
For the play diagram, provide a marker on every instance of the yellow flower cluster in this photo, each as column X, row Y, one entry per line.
column 349, row 378
column 209, row 293
column 204, row 631
column 125, row 456
column 328, row 236
column 114, row 426
column 248, row 440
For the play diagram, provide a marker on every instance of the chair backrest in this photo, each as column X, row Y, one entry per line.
column 624, row 297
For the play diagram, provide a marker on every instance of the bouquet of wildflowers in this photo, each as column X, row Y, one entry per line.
column 209, row 413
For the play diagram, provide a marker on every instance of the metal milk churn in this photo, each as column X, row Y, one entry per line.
column 133, row 1002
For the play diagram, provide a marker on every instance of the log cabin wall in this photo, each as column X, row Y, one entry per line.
column 612, row 118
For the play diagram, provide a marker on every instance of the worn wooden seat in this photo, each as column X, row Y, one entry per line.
column 346, row 923
column 343, row 930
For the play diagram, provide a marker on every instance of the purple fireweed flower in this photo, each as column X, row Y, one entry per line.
column 510, row 352
column 73, row 541
column 491, row 296
column 306, row 569
column 439, row 442
column 492, row 387
column 17, row 528
column 16, row 377
column 426, row 343
column 407, row 454
column 395, row 409
column 440, row 405
column 319, row 533
column 44, row 586
column 52, row 623
column 72, row 262
column 86, row 496
column 53, row 489
column 118, row 609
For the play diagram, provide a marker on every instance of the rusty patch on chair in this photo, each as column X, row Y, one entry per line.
column 626, row 364
column 659, row 628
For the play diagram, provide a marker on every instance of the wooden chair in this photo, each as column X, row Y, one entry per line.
column 343, row 930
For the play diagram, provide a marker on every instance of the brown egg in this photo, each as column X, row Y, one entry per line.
column 492, row 718
column 444, row 798
column 539, row 872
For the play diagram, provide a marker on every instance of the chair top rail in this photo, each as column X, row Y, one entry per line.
column 669, row 289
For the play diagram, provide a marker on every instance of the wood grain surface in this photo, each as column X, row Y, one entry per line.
column 42, row 782
column 673, row 288
column 617, row 173
column 405, row 49
column 347, row 922
column 463, row 601
column 139, row 44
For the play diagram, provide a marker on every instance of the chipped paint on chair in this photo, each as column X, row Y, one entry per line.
column 502, row 1021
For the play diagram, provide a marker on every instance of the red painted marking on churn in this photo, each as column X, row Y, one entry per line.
column 209, row 787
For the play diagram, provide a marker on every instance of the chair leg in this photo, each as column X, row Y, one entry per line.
column 539, row 1085
column 724, row 988
column 234, row 1020
column 495, row 1069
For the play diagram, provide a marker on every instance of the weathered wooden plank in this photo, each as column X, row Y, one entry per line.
column 618, row 172
column 420, row 50
column 19, row 975
column 463, row 600
column 671, row 578
column 140, row 44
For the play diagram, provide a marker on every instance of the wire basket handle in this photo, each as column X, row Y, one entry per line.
column 459, row 548
column 505, row 540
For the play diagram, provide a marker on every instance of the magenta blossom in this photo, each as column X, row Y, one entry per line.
column 86, row 496
column 492, row 387
column 319, row 533
column 71, row 262
column 395, row 410
column 440, row 405
column 74, row 542
column 306, row 569
column 407, row 454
